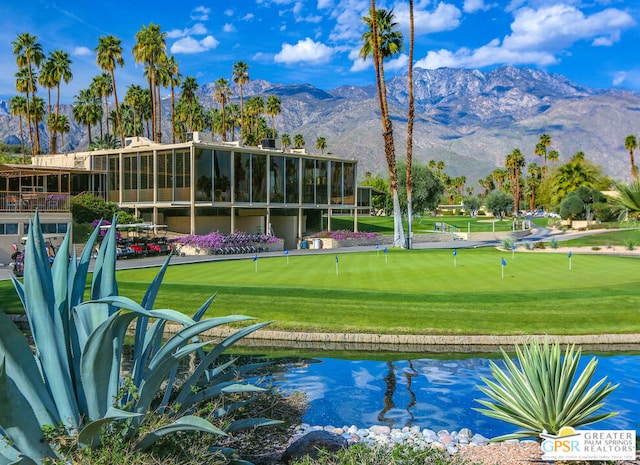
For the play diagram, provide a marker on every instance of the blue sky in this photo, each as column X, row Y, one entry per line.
column 593, row 42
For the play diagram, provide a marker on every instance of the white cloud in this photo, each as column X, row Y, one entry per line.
column 189, row 45
column 228, row 12
column 229, row 28
column 197, row 29
column 322, row 4
column 349, row 25
column 200, row 13
column 537, row 37
column 471, row 6
column 305, row 51
column 248, row 17
column 82, row 52
column 619, row 78
column 445, row 17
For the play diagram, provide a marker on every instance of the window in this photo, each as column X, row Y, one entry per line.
column 203, row 170
column 258, row 178
column 336, row 182
column 8, row 229
column 276, row 180
column 113, row 178
column 182, row 176
column 322, row 181
column 349, row 177
column 242, row 173
column 146, row 177
column 130, row 178
column 293, row 185
column 308, row 193
column 222, row 176
column 165, row 176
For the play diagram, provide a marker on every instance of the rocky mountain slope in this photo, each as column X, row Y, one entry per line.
column 469, row 119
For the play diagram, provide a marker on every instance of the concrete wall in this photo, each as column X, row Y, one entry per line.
column 285, row 227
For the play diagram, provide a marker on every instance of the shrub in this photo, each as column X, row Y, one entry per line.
column 553, row 243
column 528, row 245
column 508, row 243
column 539, row 245
column 629, row 244
column 541, row 392
column 595, row 248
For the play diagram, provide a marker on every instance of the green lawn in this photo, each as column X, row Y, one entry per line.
column 606, row 239
column 411, row 292
column 384, row 224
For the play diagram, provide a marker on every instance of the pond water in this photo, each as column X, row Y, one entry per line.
column 435, row 393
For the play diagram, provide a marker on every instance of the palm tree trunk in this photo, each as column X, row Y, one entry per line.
column 115, row 100
column 387, row 133
column 173, row 114
column 24, row 155
column 410, row 117
column 634, row 169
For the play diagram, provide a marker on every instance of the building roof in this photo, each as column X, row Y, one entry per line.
column 10, row 170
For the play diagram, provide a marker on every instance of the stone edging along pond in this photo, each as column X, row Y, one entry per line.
column 419, row 343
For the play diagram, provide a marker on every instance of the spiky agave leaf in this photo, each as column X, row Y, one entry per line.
column 90, row 434
column 543, row 393
column 19, row 422
column 47, row 327
column 186, row 423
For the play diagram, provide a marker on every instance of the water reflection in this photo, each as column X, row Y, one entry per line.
column 431, row 393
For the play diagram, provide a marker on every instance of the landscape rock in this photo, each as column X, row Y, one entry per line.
column 311, row 443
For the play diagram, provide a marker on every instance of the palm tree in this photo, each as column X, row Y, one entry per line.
column 272, row 109
column 18, row 106
column 298, row 141
column 286, row 140
column 534, row 172
column 573, row 174
column 553, row 156
column 134, row 98
column 233, row 117
column 254, row 110
column 47, row 79
column 87, row 109
column 627, row 202
column 499, row 177
column 150, row 45
column 63, row 126
column 240, row 78
column 108, row 55
column 37, row 110
column 383, row 40
column 410, row 117
column 221, row 95
column 631, row 144
column 174, row 81
column 55, row 70
column 321, row 144
column 102, row 86
column 28, row 53
column 514, row 164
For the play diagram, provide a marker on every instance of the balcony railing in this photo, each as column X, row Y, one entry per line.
column 30, row 201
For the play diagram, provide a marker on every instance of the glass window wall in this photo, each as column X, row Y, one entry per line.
column 276, row 179
column 203, row 171
column 322, row 186
column 146, row 177
column 165, row 176
column 182, row 176
column 349, row 177
column 114, row 178
column 336, row 182
column 242, row 173
column 222, row 173
column 293, row 176
column 258, row 178
column 309, row 191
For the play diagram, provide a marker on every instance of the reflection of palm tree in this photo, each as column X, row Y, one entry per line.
column 390, row 381
column 409, row 374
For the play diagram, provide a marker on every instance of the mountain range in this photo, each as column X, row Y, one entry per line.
column 467, row 118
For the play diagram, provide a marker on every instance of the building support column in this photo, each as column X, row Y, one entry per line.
column 299, row 224
column 329, row 219
column 233, row 220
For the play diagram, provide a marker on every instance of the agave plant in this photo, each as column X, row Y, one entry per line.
column 74, row 378
column 543, row 392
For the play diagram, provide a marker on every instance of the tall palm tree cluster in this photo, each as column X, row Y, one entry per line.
column 35, row 68
column 140, row 112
